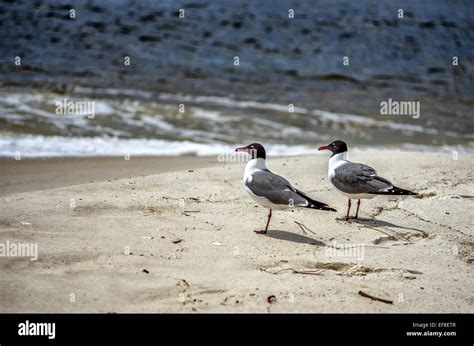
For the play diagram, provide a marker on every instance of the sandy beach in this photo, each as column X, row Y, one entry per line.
column 176, row 235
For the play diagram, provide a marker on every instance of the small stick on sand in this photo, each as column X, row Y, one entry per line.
column 308, row 272
column 294, row 271
column 366, row 295
column 303, row 227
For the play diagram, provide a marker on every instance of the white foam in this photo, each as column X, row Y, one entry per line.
column 233, row 103
column 213, row 115
column 53, row 146
column 158, row 122
column 112, row 92
column 230, row 102
column 33, row 146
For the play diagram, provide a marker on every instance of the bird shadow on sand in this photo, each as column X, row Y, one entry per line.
column 375, row 223
column 296, row 238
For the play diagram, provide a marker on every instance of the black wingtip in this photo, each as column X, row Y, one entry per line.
column 396, row 191
column 321, row 206
column 313, row 204
column 403, row 192
column 328, row 208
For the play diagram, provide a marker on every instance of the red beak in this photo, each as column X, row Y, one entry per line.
column 323, row 147
column 241, row 149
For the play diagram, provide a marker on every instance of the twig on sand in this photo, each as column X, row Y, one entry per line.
column 294, row 271
column 366, row 295
column 185, row 213
column 303, row 227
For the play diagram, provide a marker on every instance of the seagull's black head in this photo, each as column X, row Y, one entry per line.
column 336, row 147
column 256, row 150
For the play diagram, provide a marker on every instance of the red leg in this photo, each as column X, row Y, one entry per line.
column 348, row 210
column 357, row 212
column 268, row 223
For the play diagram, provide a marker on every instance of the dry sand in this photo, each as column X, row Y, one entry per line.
column 183, row 241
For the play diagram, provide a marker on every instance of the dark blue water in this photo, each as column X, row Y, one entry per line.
column 282, row 60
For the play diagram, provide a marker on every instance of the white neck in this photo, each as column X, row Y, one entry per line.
column 254, row 165
column 337, row 160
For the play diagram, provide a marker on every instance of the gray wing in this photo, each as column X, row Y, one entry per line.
column 276, row 189
column 358, row 178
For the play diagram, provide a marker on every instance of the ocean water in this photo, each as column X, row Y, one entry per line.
column 183, row 94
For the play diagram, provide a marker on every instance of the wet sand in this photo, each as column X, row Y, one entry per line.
column 48, row 173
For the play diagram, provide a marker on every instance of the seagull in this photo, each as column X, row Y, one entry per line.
column 355, row 180
column 271, row 190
